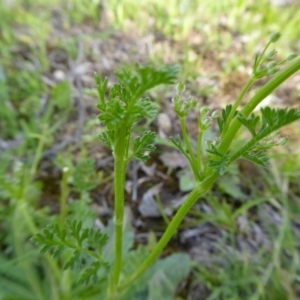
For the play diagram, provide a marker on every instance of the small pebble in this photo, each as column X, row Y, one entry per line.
column 59, row 75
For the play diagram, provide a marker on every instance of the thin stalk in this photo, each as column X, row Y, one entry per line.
column 119, row 175
column 238, row 101
column 261, row 56
column 193, row 161
column 199, row 190
column 64, row 195
column 39, row 151
column 199, row 149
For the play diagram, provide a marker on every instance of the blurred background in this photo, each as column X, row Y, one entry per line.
column 243, row 237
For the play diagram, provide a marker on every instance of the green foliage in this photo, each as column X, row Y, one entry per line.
column 124, row 107
column 274, row 119
column 225, row 115
column 259, row 157
column 160, row 281
column 178, row 143
column 249, row 123
column 142, row 145
column 145, row 78
column 61, row 94
column 77, row 247
column 167, row 274
column 220, row 165
column 84, row 178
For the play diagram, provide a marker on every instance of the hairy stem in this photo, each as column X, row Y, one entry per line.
column 119, row 175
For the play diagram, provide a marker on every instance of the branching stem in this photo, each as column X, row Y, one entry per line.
column 199, row 190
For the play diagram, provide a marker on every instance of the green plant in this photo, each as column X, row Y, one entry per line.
column 124, row 107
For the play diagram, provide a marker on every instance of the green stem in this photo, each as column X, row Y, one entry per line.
column 39, row 151
column 193, row 161
column 199, row 190
column 119, row 175
column 261, row 56
column 64, row 195
column 199, row 149
column 238, row 101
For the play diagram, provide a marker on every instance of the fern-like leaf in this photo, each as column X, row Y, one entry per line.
column 90, row 273
column 274, row 119
column 145, row 78
column 120, row 92
column 225, row 114
column 114, row 114
column 101, row 88
column 142, row 145
column 249, row 123
column 74, row 244
column 105, row 138
column 221, row 165
column 260, row 158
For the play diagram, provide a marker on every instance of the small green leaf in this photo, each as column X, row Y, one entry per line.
column 72, row 260
column 114, row 114
column 101, row 88
column 143, row 144
column 178, row 143
column 225, row 114
column 274, row 119
column 259, row 158
column 121, row 93
column 145, row 78
column 221, row 165
column 61, row 95
column 104, row 137
column 143, row 108
column 249, row 123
